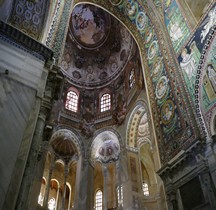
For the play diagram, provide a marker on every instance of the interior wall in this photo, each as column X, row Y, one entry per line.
column 18, row 112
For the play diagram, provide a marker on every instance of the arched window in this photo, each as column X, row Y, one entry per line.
column 51, row 204
column 145, row 189
column 40, row 199
column 99, row 200
column 105, row 102
column 120, row 194
column 132, row 78
column 72, row 101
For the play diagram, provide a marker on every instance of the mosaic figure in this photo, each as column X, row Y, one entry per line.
column 175, row 32
column 210, row 21
column 161, row 87
column 212, row 76
column 157, row 67
column 167, row 112
column 188, row 63
column 152, row 50
column 148, row 35
column 141, row 21
column 130, row 8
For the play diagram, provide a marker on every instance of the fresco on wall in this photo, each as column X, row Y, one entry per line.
column 176, row 25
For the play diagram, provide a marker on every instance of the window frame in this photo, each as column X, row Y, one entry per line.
column 132, row 79
column 75, row 108
column 101, row 200
column 104, row 105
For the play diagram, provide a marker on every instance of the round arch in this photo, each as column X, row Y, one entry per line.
column 106, row 144
column 135, row 118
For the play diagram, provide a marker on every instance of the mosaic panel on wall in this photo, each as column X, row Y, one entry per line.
column 191, row 53
column 176, row 25
column 29, row 16
column 170, row 108
column 208, row 88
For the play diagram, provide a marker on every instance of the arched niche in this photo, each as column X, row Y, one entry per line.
column 138, row 129
column 105, row 147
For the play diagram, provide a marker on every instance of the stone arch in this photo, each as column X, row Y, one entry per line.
column 203, row 123
column 77, row 137
column 65, row 144
column 111, row 139
column 133, row 125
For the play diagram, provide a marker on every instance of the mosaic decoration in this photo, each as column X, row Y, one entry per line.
column 207, row 87
column 177, row 123
column 152, row 50
column 131, row 9
column 176, row 25
column 5, row 8
column 191, row 53
column 161, row 87
column 56, row 12
column 141, row 21
column 29, row 16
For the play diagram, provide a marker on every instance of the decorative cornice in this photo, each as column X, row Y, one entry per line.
column 181, row 157
column 19, row 39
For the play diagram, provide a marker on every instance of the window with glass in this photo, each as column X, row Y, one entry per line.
column 51, row 204
column 120, row 194
column 105, row 102
column 145, row 189
column 99, row 200
column 72, row 101
column 132, row 78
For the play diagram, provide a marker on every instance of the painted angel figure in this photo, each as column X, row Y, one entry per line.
column 209, row 22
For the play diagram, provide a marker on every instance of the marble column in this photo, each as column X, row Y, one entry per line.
column 90, row 187
column 208, row 189
column 119, row 184
column 173, row 201
column 78, row 183
column 46, row 195
column 84, row 182
column 35, row 190
column 65, row 187
column 29, row 173
column 57, row 198
column 105, row 173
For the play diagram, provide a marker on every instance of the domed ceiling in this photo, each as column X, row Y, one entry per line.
column 97, row 47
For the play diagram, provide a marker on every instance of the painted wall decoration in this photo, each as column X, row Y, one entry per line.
column 29, row 16
column 176, row 25
column 90, row 25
